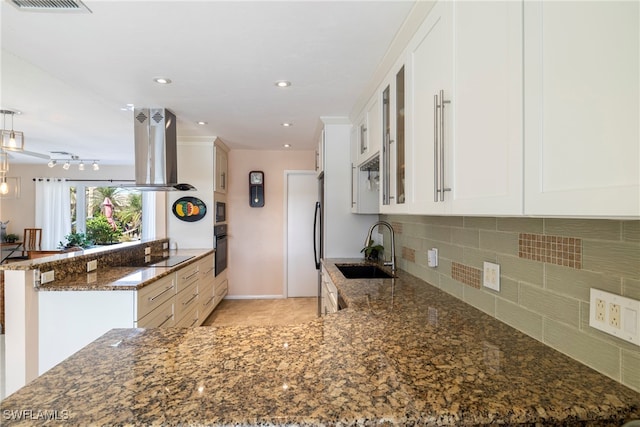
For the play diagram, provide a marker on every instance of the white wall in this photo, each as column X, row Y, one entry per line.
column 256, row 235
column 195, row 167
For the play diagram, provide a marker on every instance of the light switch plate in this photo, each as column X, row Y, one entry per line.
column 616, row 315
column 92, row 265
column 147, row 250
column 491, row 276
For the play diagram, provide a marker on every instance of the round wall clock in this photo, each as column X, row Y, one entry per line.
column 189, row 209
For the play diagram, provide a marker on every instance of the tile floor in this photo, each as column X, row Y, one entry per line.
column 264, row 312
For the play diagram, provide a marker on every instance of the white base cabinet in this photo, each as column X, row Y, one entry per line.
column 329, row 294
column 582, row 108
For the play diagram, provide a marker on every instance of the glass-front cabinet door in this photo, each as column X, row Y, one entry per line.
column 393, row 150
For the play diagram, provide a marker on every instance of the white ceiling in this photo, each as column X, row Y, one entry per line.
column 70, row 74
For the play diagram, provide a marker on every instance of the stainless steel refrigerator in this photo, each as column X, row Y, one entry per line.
column 338, row 233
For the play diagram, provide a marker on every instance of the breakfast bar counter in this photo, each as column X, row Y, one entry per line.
column 402, row 353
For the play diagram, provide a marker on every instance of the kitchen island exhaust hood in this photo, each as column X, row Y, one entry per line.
column 156, row 154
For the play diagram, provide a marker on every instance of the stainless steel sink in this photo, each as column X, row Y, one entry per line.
column 363, row 271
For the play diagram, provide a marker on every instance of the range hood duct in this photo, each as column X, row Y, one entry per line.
column 156, row 150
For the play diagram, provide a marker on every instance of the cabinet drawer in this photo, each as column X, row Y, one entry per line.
column 186, row 276
column 186, row 300
column 190, row 319
column 153, row 295
column 161, row 317
column 207, row 266
column 206, row 295
column 222, row 289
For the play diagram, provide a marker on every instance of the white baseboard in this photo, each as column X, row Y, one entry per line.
column 254, row 297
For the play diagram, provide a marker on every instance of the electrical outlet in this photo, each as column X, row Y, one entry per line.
column 491, row 276
column 47, row 276
column 165, row 245
column 92, row 265
column 616, row 315
column 601, row 306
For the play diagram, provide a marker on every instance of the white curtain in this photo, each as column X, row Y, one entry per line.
column 53, row 210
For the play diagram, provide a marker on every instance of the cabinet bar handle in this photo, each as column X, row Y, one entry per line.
column 190, row 276
column 436, row 175
column 442, row 187
column 353, row 169
column 209, row 301
column 194, row 322
column 161, row 293
column 166, row 320
column 187, row 302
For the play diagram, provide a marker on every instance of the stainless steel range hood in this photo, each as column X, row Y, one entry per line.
column 156, row 150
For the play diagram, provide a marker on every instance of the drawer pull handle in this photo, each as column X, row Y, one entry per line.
column 194, row 322
column 190, row 276
column 209, row 302
column 190, row 299
column 161, row 293
column 169, row 317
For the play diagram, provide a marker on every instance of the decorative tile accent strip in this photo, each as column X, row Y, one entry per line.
column 397, row 227
column 408, row 253
column 468, row 275
column 565, row 251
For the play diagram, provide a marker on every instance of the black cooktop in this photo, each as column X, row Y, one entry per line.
column 160, row 261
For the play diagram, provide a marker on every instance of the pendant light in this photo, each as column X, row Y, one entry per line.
column 4, row 162
column 4, row 187
column 12, row 140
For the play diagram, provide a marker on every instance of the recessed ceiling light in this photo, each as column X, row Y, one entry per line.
column 162, row 80
column 287, row 124
column 283, row 83
column 287, row 145
column 201, row 123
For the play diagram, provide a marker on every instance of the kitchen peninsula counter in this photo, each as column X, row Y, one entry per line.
column 402, row 353
column 123, row 278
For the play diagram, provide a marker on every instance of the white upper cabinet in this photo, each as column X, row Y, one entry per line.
column 466, row 86
column 370, row 130
column 486, row 110
column 429, row 71
column 221, row 169
column 582, row 108
column 393, row 156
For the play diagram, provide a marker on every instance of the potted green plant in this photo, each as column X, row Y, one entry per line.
column 102, row 232
column 372, row 252
column 75, row 240
column 11, row 238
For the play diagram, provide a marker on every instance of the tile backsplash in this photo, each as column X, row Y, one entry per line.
column 547, row 266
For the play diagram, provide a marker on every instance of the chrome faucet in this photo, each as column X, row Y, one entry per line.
column 391, row 263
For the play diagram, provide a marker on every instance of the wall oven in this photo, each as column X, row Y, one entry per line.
column 220, row 245
column 221, row 212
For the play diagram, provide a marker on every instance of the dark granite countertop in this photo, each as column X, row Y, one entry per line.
column 402, row 353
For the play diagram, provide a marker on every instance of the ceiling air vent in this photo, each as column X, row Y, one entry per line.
column 51, row 6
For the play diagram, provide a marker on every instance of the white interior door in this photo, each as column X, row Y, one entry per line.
column 302, row 193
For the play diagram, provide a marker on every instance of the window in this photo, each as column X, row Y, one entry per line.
column 95, row 208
